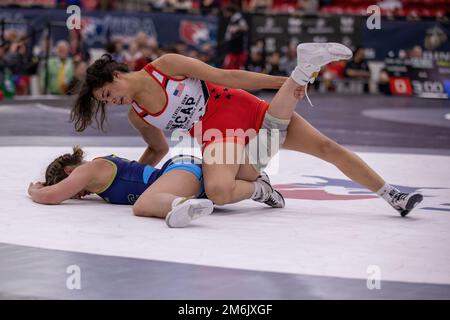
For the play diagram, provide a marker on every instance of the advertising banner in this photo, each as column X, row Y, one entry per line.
column 425, row 77
column 98, row 26
column 279, row 30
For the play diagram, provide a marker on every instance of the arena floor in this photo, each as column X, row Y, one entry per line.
column 323, row 245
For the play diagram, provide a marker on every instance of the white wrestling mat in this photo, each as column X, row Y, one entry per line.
column 330, row 226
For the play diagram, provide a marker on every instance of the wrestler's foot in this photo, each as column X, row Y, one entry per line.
column 313, row 56
column 405, row 202
column 267, row 194
column 185, row 210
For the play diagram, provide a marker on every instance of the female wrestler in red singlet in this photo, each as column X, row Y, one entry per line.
column 177, row 92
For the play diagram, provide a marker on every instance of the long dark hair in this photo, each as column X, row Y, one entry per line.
column 86, row 107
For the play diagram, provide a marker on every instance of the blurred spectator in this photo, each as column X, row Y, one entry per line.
column 193, row 54
column 331, row 72
column 180, row 5
column 60, row 70
column 142, row 39
column 390, row 4
column 207, row 53
column 309, row 6
column 181, row 48
column 256, row 61
column 80, row 72
column 260, row 5
column 238, row 4
column 132, row 54
column 415, row 53
column 384, row 82
column 3, row 49
column 289, row 61
column 66, row 3
column 166, row 49
column 357, row 68
column 235, row 37
column 12, row 36
column 107, row 4
column 90, row 5
column 273, row 65
column 334, row 70
column 260, row 46
column 20, row 65
column 78, row 51
column 115, row 48
column 209, row 6
column 16, row 58
column 147, row 56
column 158, row 5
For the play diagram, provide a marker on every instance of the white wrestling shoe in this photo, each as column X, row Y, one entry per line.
column 185, row 210
column 313, row 56
column 269, row 195
column 405, row 202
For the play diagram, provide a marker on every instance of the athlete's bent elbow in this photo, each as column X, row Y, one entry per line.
column 161, row 151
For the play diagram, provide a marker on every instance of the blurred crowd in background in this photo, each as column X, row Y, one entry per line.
column 69, row 59
column 393, row 7
column 204, row 6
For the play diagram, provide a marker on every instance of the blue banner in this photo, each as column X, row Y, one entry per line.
column 166, row 28
column 403, row 35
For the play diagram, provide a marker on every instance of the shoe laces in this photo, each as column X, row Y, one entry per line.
column 399, row 196
column 307, row 97
column 271, row 201
column 263, row 197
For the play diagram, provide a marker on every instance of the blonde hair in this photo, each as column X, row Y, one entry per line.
column 55, row 170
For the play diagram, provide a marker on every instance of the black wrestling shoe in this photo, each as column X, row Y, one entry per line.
column 405, row 202
column 269, row 196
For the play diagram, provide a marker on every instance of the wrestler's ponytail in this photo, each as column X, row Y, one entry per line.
column 55, row 171
column 86, row 107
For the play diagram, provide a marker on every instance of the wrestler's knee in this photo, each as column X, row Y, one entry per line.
column 138, row 209
column 219, row 192
column 141, row 209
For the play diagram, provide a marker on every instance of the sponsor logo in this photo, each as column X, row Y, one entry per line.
column 194, row 32
column 325, row 188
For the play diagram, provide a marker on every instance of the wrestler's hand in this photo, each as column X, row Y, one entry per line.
column 34, row 186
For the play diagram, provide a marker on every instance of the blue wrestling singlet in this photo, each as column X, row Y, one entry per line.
column 132, row 178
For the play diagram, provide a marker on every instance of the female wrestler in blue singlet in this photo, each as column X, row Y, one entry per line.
column 174, row 192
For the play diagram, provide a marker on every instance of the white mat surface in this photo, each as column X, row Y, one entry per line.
column 318, row 237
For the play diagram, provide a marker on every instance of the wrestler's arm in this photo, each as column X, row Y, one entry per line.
column 66, row 189
column 179, row 65
column 157, row 146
